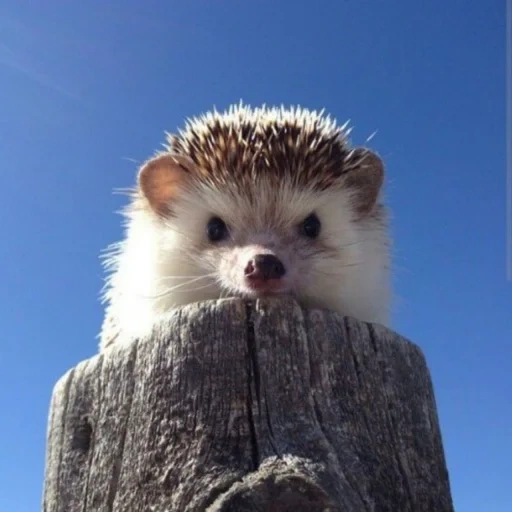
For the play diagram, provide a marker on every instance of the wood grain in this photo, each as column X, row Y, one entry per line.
column 235, row 406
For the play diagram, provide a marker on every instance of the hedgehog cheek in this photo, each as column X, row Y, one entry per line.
column 161, row 180
column 364, row 177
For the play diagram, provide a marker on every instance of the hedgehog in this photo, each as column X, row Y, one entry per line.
column 251, row 202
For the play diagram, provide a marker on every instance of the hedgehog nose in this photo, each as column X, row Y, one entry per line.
column 264, row 267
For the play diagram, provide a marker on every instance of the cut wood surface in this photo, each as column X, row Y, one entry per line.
column 234, row 406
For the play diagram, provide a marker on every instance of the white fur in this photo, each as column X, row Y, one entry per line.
column 350, row 278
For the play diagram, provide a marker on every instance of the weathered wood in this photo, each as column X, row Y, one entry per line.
column 242, row 407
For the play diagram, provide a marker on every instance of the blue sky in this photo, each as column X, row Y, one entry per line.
column 86, row 88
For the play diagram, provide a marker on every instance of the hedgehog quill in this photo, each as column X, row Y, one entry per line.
column 252, row 202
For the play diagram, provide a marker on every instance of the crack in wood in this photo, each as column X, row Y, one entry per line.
column 252, row 376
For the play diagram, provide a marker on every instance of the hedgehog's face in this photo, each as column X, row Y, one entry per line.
column 262, row 240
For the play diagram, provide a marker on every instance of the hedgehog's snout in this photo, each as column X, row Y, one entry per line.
column 264, row 267
column 263, row 272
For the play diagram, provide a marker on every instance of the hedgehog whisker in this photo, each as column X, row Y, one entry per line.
column 186, row 290
column 177, row 288
column 356, row 243
column 190, row 281
column 197, row 277
column 341, row 267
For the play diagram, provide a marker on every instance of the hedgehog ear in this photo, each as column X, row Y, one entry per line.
column 365, row 176
column 161, row 179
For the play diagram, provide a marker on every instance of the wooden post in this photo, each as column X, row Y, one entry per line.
column 234, row 406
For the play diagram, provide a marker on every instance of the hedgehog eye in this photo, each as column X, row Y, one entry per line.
column 311, row 226
column 216, row 229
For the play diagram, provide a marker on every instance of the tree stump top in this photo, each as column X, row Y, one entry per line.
column 237, row 406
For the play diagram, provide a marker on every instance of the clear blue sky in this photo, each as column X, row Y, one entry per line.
column 84, row 87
